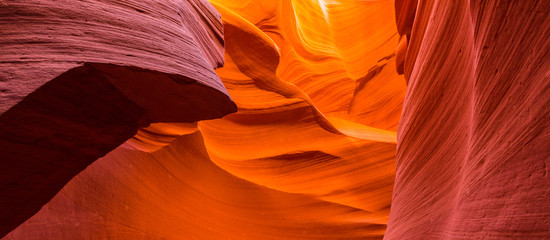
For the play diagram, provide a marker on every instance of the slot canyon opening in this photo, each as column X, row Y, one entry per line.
column 290, row 119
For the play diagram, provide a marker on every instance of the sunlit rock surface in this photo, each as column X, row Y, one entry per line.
column 326, row 92
column 299, row 160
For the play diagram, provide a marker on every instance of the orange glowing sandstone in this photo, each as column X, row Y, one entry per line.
column 311, row 152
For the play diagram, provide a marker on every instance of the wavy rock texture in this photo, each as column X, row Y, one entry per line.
column 80, row 78
column 179, row 193
column 473, row 156
column 309, row 154
column 311, row 151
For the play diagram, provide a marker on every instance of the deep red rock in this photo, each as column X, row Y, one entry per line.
column 310, row 154
column 80, row 78
column 473, row 151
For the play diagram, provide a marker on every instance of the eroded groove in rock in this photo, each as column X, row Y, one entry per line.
column 324, row 51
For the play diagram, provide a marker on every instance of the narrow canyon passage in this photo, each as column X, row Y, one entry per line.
column 287, row 119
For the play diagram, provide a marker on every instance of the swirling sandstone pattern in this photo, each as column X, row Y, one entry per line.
column 298, row 161
column 310, row 153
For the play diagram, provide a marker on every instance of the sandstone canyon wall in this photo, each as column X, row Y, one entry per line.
column 80, row 78
column 473, row 152
column 299, row 160
column 325, row 115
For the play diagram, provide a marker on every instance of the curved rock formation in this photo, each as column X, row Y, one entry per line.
column 311, row 152
column 80, row 78
column 474, row 138
column 178, row 193
column 292, row 163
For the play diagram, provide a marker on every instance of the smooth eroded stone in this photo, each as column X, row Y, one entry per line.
column 79, row 78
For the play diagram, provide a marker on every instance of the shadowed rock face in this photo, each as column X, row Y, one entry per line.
column 298, row 161
column 77, row 82
column 110, row 116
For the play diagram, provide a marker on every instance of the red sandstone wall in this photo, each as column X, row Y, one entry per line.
column 473, row 151
column 103, row 130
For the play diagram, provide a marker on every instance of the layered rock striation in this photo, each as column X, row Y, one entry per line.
column 80, row 78
column 330, row 119
column 473, row 148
